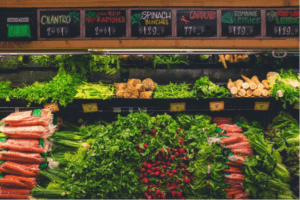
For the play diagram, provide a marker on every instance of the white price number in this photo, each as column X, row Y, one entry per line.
column 63, row 31
column 189, row 29
column 237, row 30
column 151, row 30
column 105, row 30
column 282, row 30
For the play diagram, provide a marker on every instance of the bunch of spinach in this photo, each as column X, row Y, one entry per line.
column 43, row 60
column 204, row 88
column 173, row 90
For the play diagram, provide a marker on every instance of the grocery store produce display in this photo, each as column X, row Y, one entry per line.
column 143, row 156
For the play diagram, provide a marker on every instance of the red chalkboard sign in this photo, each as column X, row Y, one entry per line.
column 196, row 23
column 282, row 23
column 105, row 23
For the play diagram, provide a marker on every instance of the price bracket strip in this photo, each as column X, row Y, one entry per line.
column 296, row 106
column 90, row 107
column 241, row 23
column 151, row 23
column 261, row 105
column 216, row 106
column 117, row 110
column 282, row 23
column 177, row 107
column 105, row 23
column 17, row 109
column 130, row 109
column 52, row 106
column 196, row 23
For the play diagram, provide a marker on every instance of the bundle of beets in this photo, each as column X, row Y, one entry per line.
column 237, row 147
column 23, row 141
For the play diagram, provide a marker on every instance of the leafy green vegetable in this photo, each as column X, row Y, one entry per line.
column 168, row 60
column 5, row 90
column 204, row 88
column 94, row 91
column 173, row 91
column 42, row 60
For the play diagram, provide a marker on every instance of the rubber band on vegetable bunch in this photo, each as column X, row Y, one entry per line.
column 24, row 144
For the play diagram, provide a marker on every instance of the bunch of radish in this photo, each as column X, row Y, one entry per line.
column 237, row 148
column 166, row 176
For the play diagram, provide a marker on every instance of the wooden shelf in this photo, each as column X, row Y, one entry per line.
column 144, row 3
column 163, row 43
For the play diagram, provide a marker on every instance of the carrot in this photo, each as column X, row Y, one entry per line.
column 242, row 151
column 238, row 145
column 13, row 183
column 4, row 190
column 13, row 196
column 231, row 140
column 22, row 179
column 234, row 192
column 21, row 148
column 6, row 170
column 18, row 169
column 235, row 177
column 233, row 170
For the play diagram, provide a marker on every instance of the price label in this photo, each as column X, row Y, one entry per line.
column 52, row 106
column 17, row 109
column 240, row 30
column 261, row 105
column 130, row 109
column 117, row 110
column 216, row 106
column 90, row 107
column 177, row 107
column 144, row 109
column 296, row 106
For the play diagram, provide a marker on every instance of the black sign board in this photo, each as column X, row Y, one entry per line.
column 151, row 23
column 18, row 24
column 59, row 24
column 241, row 23
column 196, row 23
column 105, row 23
column 282, row 23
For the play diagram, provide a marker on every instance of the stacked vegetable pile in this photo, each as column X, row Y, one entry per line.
column 94, row 91
column 285, row 87
column 173, row 91
column 24, row 143
column 204, row 88
column 135, row 88
column 251, row 87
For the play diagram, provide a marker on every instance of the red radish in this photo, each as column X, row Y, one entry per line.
column 187, row 180
column 186, row 143
column 166, row 158
column 172, row 149
column 158, row 167
column 149, row 197
column 162, row 171
column 153, row 135
column 167, row 185
column 179, row 194
column 174, row 171
column 169, row 151
column 149, row 190
column 154, row 161
column 179, row 186
column 164, row 166
column 153, row 169
column 146, row 180
column 149, row 166
column 157, row 163
column 172, row 188
column 145, row 145
column 185, row 166
column 143, row 169
column 145, row 194
column 154, row 131
column 182, row 198
column 185, row 158
column 176, row 154
column 172, row 157
column 175, row 150
column 160, row 158
column 182, row 169
column 178, row 181
column 157, row 192
column 159, row 196
column 192, row 177
column 187, row 173
column 171, row 175
column 183, row 176
column 140, row 150
column 162, row 175
column 145, row 174
column 177, row 134
column 157, row 173
column 138, row 145
column 168, row 172
column 152, row 173
column 149, row 171
column 181, row 150
column 168, row 163
column 163, row 162
column 173, row 192
column 179, row 128
column 140, row 176
column 144, row 164
column 163, row 196
column 162, row 151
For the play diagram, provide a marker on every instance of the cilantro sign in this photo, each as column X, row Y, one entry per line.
column 240, row 23
column 282, row 23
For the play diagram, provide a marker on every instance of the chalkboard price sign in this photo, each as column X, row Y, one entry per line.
column 241, row 23
column 105, row 23
column 282, row 23
column 196, row 23
column 59, row 24
column 151, row 23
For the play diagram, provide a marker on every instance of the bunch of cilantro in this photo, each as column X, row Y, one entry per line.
column 61, row 89
column 5, row 90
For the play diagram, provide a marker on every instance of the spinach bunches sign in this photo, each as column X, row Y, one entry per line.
column 282, row 23
column 241, row 23
column 105, row 23
column 60, row 24
column 196, row 23
column 151, row 23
